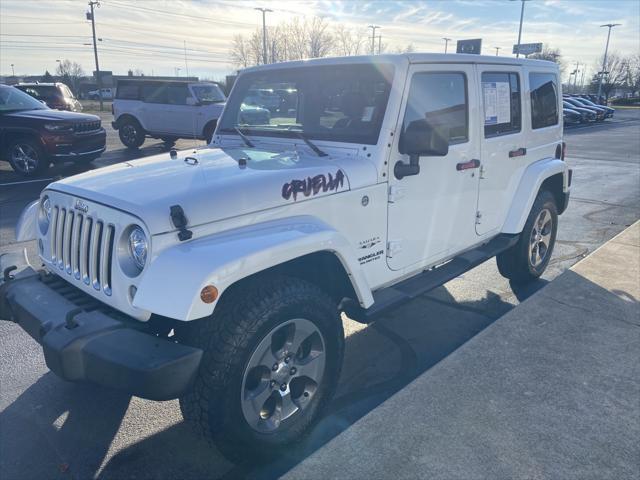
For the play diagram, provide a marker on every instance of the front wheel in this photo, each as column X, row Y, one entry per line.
column 528, row 259
column 272, row 358
column 27, row 157
column 131, row 133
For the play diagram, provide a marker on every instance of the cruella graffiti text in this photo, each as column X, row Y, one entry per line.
column 313, row 185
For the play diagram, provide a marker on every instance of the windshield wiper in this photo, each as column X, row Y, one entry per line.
column 309, row 143
column 244, row 138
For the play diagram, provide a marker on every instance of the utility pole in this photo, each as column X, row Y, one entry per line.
column 446, row 43
column 264, row 33
column 575, row 78
column 497, row 50
column 186, row 65
column 379, row 44
column 604, row 60
column 92, row 4
column 373, row 38
column 13, row 72
column 520, row 29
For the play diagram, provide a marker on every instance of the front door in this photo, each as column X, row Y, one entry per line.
column 504, row 156
column 432, row 214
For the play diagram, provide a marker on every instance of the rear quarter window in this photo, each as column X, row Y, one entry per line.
column 544, row 100
column 128, row 92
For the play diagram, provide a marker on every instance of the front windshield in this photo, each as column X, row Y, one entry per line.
column 12, row 99
column 208, row 93
column 342, row 103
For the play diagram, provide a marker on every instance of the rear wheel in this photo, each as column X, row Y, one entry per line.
column 272, row 358
column 27, row 157
column 131, row 133
column 528, row 259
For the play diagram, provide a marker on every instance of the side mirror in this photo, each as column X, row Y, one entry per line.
column 192, row 102
column 421, row 139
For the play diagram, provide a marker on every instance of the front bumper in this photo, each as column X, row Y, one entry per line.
column 83, row 340
column 75, row 146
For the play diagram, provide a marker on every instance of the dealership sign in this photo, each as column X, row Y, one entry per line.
column 473, row 45
column 527, row 48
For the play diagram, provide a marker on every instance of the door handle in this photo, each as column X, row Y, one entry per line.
column 475, row 163
column 520, row 152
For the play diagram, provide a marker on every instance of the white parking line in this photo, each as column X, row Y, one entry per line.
column 26, row 181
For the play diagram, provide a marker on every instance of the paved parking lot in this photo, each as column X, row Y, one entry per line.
column 51, row 429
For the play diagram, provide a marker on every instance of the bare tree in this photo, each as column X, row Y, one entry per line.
column 240, row 52
column 71, row 73
column 614, row 75
column 348, row 42
column 633, row 74
column 552, row 55
column 292, row 40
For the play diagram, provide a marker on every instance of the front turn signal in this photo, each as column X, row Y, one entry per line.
column 209, row 294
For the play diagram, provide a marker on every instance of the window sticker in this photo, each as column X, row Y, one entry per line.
column 497, row 102
column 367, row 114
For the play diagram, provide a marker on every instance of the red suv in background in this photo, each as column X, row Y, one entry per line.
column 55, row 95
column 32, row 136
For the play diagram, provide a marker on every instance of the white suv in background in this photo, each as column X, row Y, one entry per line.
column 166, row 109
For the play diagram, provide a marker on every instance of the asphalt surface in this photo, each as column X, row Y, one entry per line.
column 53, row 429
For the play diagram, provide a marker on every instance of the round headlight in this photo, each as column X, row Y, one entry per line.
column 45, row 214
column 138, row 246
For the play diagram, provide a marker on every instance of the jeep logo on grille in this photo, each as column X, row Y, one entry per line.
column 80, row 205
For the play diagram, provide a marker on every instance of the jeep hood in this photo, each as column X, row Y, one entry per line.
column 212, row 184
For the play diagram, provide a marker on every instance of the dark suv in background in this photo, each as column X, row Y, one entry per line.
column 55, row 95
column 32, row 136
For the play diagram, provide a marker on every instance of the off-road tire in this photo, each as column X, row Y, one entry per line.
column 35, row 151
column 245, row 315
column 515, row 263
column 131, row 133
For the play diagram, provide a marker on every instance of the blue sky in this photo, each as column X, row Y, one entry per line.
column 149, row 34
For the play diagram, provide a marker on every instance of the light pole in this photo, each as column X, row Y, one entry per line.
column 91, row 16
column 520, row 29
column 575, row 77
column 604, row 60
column 446, row 43
column 497, row 50
column 13, row 72
column 373, row 37
column 264, row 32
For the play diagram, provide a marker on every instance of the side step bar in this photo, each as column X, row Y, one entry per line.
column 391, row 297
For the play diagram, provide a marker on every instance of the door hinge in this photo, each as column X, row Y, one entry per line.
column 394, row 247
column 395, row 193
column 478, row 217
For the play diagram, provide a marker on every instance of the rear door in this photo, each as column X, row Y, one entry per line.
column 503, row 143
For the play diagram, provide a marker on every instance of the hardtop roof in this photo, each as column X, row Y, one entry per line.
column 404, row 59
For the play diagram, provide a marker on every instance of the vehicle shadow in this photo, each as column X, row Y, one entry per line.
column 57, row 429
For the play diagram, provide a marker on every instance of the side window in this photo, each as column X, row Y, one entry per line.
column 154, row 93
column 441, row 99
column 128, row 92
column 178, row 94
column 501, row 100
column 544, row 100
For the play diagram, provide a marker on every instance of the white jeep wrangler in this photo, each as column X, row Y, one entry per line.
column 218, row 275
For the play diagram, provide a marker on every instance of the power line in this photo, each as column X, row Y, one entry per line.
column 174, row 14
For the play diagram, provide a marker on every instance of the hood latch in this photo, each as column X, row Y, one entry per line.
column 179, row 220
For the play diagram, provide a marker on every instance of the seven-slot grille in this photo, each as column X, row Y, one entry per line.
column 82, row 247
column 86, row 127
